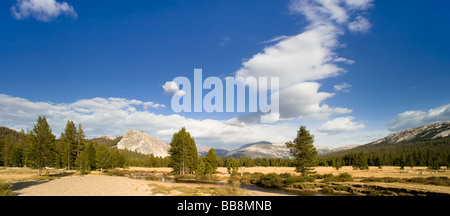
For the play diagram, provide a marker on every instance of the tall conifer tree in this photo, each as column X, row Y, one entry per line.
column 69, row 137
column 303, row 150
column 183, row 153
column 41, row 140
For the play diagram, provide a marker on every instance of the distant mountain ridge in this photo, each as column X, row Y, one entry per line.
column 264, row 149
column 203, row 151
column 426, row 138
column 424, row 133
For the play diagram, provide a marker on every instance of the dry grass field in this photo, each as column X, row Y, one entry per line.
column 387, row 171
column 65, row 182
column 15, row 174
column 358, row 175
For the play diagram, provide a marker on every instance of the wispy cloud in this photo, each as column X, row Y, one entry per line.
column 224, row 41
column 344, row 87
column 360, row 24
column 275, row 39
column 41, row 10
column 340, row 125
column 114, row 116
column 418, row 118
column 302, row 60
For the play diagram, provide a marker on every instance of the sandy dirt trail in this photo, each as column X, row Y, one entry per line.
column 101, row 185
column 89, row 185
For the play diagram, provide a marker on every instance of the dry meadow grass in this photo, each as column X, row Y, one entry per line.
column 16, row 174
column 387, row 171
column 12, row 175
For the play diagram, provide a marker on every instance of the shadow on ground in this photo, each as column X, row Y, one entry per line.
column 21, row 185
column 25, row 184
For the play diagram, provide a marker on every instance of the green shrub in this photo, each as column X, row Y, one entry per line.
column 5, row 189
column 207, row 177
column 271, row 180
column 345, row 188
column 184, row 177
column 344, row 177
column 251, row 178
column 444, row 181
column 379, row 193
column 285, row 175
column 326, row 188
column 300, row 185
column 294, row 179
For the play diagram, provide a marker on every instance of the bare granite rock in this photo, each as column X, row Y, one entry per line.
column 141, row 142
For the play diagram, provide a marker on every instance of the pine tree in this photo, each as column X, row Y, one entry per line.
column 211, row 159
column 80, row 140
column 16, row 155
column 201, row 168
column 410, row 161
column 361, row 161
column 41, row 140
column 91, row 155
column 6, row 150
column 209, row 169
column 103, row 157
column 303, row 150
column 82, row 162
column 117, row 158
column 69, row 137
column 1, row 151
column 337, row 163
column 235, row 164
column 59, row 147
column 183, row 153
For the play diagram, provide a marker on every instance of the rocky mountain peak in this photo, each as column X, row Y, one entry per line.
column 428, row 132
column 141, row 142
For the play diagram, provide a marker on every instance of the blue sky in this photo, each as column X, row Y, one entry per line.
column 379, row 66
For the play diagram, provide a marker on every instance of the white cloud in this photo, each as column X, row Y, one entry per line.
column 275, row 39
column 349, row 138
column 340, row 125
column 360, row 24
column 304, row 100
column 171, row 87
column 330, row 12
column 300, row 61
column 304, row 57
column 344, row 60
column 418, row 118
column 344, row 87
column 359, row 4
column 114, row 116
column 41, row 10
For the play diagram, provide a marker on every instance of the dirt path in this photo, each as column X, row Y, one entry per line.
column 100, row 185
column 89, row 185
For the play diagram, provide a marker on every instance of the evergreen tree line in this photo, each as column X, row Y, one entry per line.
column 432, row 154
column 39, row 148
column 254, row 162
column 184, row 158
column 137, row 159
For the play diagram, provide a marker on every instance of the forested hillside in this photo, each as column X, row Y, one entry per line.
column 431, row 153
